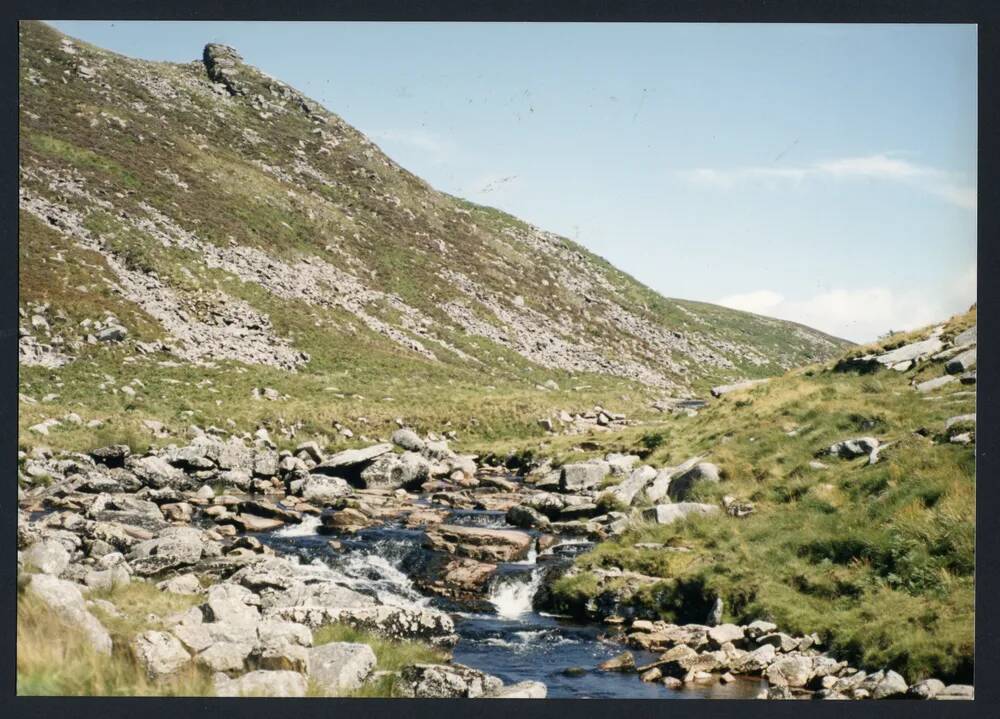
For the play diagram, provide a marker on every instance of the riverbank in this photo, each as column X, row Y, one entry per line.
column 272, row 549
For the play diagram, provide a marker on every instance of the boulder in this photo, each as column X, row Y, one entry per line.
column 407, row 439
column 892, row 685
column 851, row 448
column 790, row 671
column 65, row 600
column 392, row 471
column 340, row 666
column 262, row 683
column 959, row 419
column 956, row 691
column 182, row 584
column 962, row 363
column 446, row 681
column 966, row 338
column 681, row 487
column 629, row 488
column 723, row 633
column 311, row 450
column 350, row 459
column 321, row 489
column 582, row 476
column 780, row 641
column 523, row 516
column 176, row 547
column 488, row 545
column 913, row 352
column 347, row 519
column 759, row 628
column 270, row 510
column 623, row 662
column 521, row 690
column 107, row 579
column 252, row 523
column 670, row 513
column 159, row 653
column 48, row 557
column 156, row 472
column 927, row 689
column 112, row 456
column 936, row 383
column 224, row 656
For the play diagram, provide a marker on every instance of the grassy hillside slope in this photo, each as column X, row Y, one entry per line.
column 878, row 559
column 246, row 237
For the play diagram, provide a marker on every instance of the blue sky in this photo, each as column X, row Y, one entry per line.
column 820, row 173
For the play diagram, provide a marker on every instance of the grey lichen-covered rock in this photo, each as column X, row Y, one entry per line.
column 407, row 439
column 392, row 471
column 790, row 671
column 262, row 683
column 962, row 363
column 582, row 476
column 64, row 598
column 340, row 666
column 670, row 513
column 890, row 686
column 851, row 448
column 936, row 383
column 446, row 681
column 48, row 557
column 521, row 690
column 632, row 486
column 175, row 547
column 487, row 545
column 350, row 458
column 926, row 689
column 719, row 635
column 322, row 489
column 400, row 623
column 160, row 653
column 957, row 691
column 181, row 584
column 681, row 487
column 526, row 517
column 225, row 656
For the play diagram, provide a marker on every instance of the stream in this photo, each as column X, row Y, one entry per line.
column 508, row 637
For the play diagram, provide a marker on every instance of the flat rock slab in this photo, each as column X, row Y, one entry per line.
column 488, row 545
column 351, row 458
column 936, row 383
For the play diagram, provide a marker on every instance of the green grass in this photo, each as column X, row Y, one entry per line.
column 391, row 656
column 878, row 559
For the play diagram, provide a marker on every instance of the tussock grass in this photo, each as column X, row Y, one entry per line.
column 54, row 658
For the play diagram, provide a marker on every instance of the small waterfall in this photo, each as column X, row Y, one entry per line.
column 513, row 595
column 308, row 527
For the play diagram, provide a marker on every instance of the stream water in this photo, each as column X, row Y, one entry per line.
column 508, row 638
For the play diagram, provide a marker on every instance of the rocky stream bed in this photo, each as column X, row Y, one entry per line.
column 405, row 539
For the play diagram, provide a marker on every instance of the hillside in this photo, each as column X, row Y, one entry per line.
column 192, row 235
column 850, row 494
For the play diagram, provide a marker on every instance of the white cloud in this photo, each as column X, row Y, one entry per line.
column 862, row 315
column 946, row 185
